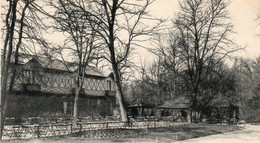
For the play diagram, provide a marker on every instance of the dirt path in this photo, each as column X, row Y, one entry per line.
column 251, row 134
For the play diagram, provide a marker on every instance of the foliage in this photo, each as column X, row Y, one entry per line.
column 80, row 41
column 119, row 24
column 247, row 73
column 194, row 51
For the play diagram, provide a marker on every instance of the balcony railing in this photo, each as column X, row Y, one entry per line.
column 32, row 87
column 110, row 93
column 82, row 91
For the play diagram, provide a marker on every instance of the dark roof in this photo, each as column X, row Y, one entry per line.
column 138, row 105
column 95, row 72
column 50, row 63
column 175, row 106
column 177, row 103
column 23, row 58
column 225, row 104
column 222, row 102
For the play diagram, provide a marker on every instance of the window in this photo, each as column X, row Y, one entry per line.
column 108, row 85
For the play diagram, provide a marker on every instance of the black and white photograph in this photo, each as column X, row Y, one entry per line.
column 130, row 71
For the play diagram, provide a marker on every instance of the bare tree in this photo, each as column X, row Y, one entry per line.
column 168, row 52
column 119, row 23
column 153, row 85
column 80, row 40
column 20, row 24
column 6, row 57
column 202, row 28
column 247, row 73
column 217, row 84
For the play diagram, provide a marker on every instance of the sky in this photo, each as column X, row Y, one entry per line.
column 243, row 14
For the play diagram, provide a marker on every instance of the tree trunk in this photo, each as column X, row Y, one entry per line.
column 194, row 109
column 75, row 109
column 3, row 105
column 119, row 93
column 119, row 97
column 5, row 69
column 4, row 95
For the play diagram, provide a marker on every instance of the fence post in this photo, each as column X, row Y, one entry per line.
column 106, row 125
column 38, row 131
column 154, row 124
column 80, row 127
column 71, row 128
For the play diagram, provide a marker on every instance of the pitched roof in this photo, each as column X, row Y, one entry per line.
column 144, row 105
column 54, row 64
column 177, row 103
column 94, row 71
column 50, row 63
column 221, row 101
column 222, row 104
column 23, row 58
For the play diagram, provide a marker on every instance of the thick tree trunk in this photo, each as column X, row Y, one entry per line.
column 195, row 108
column 4, row 94
column 2, row 107
column 75, row 109
column 111, row 36
column 16, row 56
column 120, row 100
column 119, row 94
column 5, row 68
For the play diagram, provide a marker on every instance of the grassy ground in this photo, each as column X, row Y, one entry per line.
column 162, row 135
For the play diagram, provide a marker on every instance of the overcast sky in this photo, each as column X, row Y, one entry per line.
column 243, row 14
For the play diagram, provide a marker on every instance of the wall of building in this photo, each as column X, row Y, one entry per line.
column 46, row 105
column 55, row 85
column 60, row 82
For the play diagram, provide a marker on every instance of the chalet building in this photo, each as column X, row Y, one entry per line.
column 223, row 111
column 47, row 86
column 179, row 108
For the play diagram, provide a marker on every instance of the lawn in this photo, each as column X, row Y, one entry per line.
column 162, row 135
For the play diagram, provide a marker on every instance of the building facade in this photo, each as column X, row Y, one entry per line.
column 47, row 86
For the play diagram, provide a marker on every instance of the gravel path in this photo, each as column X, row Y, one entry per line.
column 251, row 134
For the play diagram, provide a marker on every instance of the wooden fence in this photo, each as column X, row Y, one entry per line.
column 17, row 132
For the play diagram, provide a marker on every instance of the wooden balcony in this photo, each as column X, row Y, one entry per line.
column 82, row 91
column 32, row 88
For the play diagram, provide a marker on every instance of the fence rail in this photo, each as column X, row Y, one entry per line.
column 17, row 132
